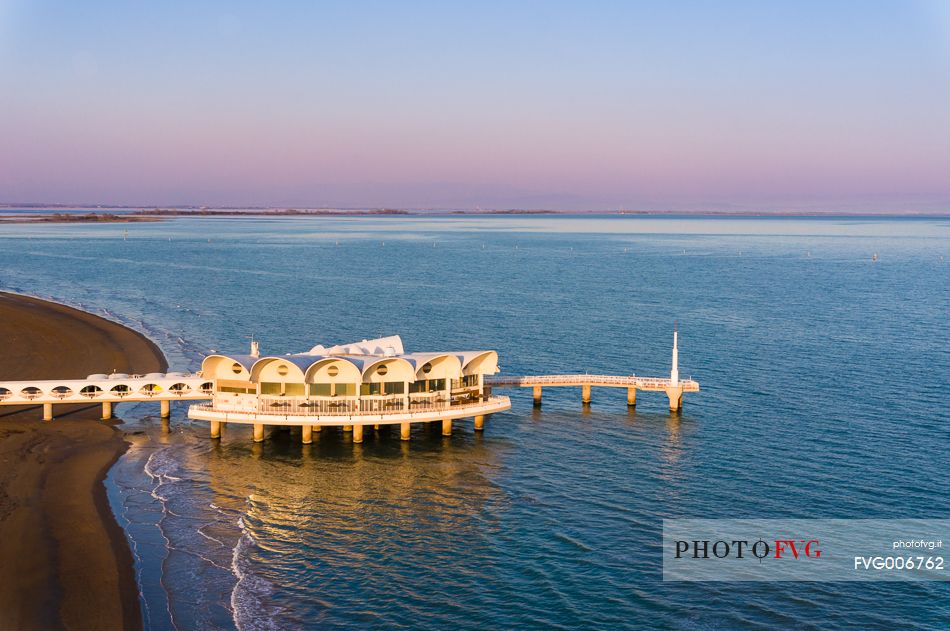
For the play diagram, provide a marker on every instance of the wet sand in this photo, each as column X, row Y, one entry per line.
column 64, row 561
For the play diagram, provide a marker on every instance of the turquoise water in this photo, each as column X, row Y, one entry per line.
column 823, row 377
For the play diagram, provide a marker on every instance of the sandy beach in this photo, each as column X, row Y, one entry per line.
column 64, row 561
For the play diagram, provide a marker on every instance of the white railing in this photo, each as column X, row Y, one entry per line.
column 301, row 407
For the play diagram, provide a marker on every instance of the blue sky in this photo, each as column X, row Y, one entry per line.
column 674, row 105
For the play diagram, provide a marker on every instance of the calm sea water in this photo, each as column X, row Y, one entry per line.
column 824, row 380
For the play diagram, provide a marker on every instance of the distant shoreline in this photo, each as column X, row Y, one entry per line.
column 126, row 214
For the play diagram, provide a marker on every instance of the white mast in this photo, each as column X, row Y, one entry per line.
column 675, row 372
column 255, row 348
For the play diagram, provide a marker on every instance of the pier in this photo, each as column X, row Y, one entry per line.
column 674, row 387
column 373, row 382
column 674, row 391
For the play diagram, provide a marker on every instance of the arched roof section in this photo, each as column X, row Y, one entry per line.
column 346, row 371
column 441, row 365
column 223, row 366
column 396, row 369
column 289, row 368
column 479, row 362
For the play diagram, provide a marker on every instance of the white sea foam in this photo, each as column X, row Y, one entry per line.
column 247, row 598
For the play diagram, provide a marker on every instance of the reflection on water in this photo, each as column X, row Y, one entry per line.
column 815, row 365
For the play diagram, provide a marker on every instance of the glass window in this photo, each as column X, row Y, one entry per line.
column 395, row 387
column 236, row 368
column 369, row 389
column 268, row 387
column 319, row 389
column 345, row 389
column 417, row 386
column 294, row 389
column 333, row 371
column 436, row 384
column 282, row 370
column 382, row 370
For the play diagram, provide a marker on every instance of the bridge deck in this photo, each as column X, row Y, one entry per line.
column 655, row 384
column 110, row 390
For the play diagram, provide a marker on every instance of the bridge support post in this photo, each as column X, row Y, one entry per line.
column 632, row 397
column 347, row 428
column 357, row 433
column 258, row 432
column 106, row 410
column 166, row 408
column 676, row 398
column 479, row 423
column 404, row 431
column 215, row 429
column 585, row 393
column 306, row 434
column 537, row 396
column 447, row 427
column 47, row 411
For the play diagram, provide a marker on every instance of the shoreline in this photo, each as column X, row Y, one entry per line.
column 63, row 554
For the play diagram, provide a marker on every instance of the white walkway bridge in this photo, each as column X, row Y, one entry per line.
column 107, row 390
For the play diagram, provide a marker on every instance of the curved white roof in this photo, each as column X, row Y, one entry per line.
column 363, row 355
column 385, row 346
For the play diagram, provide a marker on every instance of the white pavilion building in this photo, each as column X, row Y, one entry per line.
column 373, row 382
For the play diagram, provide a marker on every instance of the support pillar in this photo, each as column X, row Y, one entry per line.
column 676, row 398
column 106, row 410
column 166, row 408
column 585, row 393
column 215, row 429
column 447, row 427
column 347, row 428
column 479, row 423
column 306, row 434
column 404, row 431
column 632, row 397
column 357, row 433
column 537, row 396
column 376, row 427
column 258, row 432
column 47, row 411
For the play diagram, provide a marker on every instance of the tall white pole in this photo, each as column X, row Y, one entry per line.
column 675, row 372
